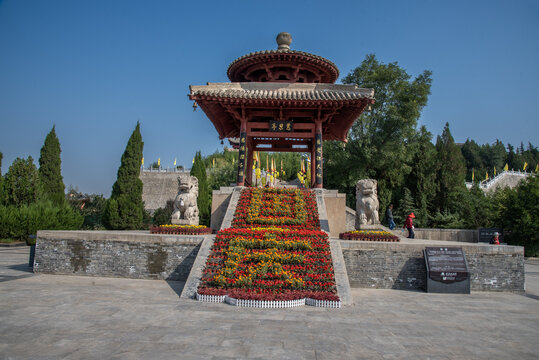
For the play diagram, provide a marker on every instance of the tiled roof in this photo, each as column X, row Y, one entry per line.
column 282, row 91
column 282, row 51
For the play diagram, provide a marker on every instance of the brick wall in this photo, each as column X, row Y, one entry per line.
column 402, row 266
column 136, row 255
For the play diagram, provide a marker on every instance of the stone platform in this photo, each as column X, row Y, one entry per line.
column 357, row 264
column 80, row 317
column 129, row 254
column 401, row 265
column 366, row 264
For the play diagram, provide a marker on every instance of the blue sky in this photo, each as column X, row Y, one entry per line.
column 95, row 68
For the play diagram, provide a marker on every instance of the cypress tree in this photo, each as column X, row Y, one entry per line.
column 125, row 209
column 204, row 201
column 451, row 173
column 1, row 181
column 50, row 169
column 422, row 179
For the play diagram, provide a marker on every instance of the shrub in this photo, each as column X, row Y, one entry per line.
column 162, row 216
column 20, row 222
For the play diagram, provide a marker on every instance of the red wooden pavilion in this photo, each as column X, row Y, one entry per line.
column 281, row 100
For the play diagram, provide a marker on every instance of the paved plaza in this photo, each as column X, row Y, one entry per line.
column 74, row 317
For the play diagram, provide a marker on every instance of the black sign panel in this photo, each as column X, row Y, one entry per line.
column 281, row 126
column 446, row 264
column 318, row 160
column 241, row 160
column 486, row 234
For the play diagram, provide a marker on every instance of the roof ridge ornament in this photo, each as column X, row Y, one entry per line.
column 284, row 40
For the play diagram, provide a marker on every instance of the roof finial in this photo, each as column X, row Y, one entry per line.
column 284, row 40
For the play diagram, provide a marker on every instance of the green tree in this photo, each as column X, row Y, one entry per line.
column 520, row 216
column 22, row 186
column 471, row 152
column 378, row 140
column 1, row 181
column 204, row 198
column 513, row 161
column 50, row 169
column 494, row 156
column 162, row 216
column 478, row 209
column 125, row 209
column 422, row 178
column 451, row 173
column 406, row 206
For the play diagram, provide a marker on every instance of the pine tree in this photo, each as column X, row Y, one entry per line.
column 1, row 181
column 422, row 179
column 451, row 173
column 125, row 209
column 406, row 206
column 22, row 186
column 204, row 200
column 50, row 169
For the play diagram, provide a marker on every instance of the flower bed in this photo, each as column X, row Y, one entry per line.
column 284, row 208
column 180, row 230
column 273, row 256
column 369, row 235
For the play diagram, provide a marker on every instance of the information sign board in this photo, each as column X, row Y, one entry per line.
column 446, row 268
column 486, row 234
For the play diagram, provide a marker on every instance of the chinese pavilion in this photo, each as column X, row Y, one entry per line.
column 281, row 100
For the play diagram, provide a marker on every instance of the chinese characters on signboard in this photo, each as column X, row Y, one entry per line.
column 241, row 162
column 318, row 149
column 281, row 126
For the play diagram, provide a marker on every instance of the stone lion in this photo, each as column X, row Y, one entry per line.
column 367, row 204
column 185, row 204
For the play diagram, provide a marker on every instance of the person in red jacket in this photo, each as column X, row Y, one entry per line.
column 409, row 224
column 495, row 239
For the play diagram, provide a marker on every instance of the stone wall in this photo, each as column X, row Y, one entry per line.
column 460, row 235
column 350, row 219
column 136, row 255
column 402, row 266
column 336, row 212
column 158, row 188
column 219, row 204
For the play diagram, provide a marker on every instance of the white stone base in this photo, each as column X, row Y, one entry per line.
column 369, row 227
column 184, row 222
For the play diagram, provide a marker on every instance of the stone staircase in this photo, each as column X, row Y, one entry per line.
column 341, row 276
column 508, row 178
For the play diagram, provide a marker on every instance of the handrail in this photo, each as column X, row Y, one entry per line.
column 485, row 184
column 164, row 170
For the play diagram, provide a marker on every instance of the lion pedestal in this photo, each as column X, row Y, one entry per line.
column 185, row 204
column 367, row 204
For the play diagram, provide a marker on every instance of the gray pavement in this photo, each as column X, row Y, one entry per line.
column 74, row 317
